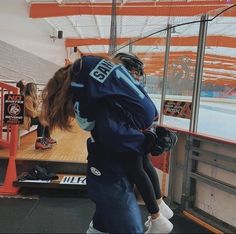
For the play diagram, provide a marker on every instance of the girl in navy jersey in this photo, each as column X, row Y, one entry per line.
column 136, row 68
column 105, row 100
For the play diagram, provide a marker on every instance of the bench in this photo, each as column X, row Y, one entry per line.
column 23, row 132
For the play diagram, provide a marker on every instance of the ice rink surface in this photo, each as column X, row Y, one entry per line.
column 217, row 119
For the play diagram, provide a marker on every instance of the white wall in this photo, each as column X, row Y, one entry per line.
column 17, row 64
column 31, row 35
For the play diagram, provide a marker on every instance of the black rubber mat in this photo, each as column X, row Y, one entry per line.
column 185, row 225
column 3, row 169
column 45, row 215
column 14, row 212
column 62, row 215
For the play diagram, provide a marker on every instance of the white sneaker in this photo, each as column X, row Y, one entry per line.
column 159, row 225
column 165, row 210
column 92, row 230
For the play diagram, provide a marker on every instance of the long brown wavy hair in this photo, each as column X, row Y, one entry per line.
column 31, row 90
column 57, row 107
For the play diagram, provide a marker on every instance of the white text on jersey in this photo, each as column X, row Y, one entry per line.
column 102, row 70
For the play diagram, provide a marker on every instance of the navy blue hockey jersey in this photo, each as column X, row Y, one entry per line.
column 111, row 104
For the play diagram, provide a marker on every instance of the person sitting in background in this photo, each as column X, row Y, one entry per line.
column 21, row 85
column 32, row 113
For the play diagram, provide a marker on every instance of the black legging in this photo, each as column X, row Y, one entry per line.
column 152, row 173
column 42, row 131
column 142, row 173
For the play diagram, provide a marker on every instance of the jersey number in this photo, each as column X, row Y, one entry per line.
column 125, row 76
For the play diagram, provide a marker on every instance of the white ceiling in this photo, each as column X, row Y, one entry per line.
column 35, row 35
column 31, row 35
column 98, row 26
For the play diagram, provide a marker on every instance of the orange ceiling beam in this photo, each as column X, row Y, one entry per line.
column 152, row 54
column 220, row 73
column 45, row 10
column 72, row 42
column 158, row 65
column 178, row 54
column 222, row 82
column 175, row 55
column 216, row 41
column 190, row 54
column 221, row 58
column 220, row 67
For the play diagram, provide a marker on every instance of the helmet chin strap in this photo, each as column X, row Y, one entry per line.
column 140, row 78
column 143, row 80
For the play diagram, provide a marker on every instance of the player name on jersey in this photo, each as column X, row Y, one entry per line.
column 102, row 70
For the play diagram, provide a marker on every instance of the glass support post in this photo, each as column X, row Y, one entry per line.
column 198, row 73
column 165, row 73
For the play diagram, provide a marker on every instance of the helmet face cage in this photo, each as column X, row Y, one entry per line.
column 132, row 63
